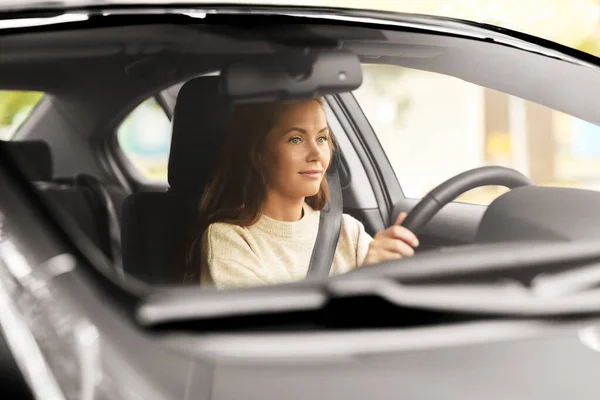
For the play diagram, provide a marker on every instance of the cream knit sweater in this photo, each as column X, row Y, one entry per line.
column 272, row 251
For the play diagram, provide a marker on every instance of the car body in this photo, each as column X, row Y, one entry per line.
column 501, row 302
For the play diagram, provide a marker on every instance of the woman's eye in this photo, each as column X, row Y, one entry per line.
column 323, row 139
column 295, row 140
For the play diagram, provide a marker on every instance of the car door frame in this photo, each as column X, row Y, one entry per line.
column 456, row 224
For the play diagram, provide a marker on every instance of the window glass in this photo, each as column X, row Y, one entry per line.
column 434, row 126
column 145, row 138
column 15, row 107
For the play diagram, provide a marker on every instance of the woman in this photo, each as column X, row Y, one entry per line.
column 260, row 215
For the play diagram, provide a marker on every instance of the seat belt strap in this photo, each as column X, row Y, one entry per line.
column 330, row 225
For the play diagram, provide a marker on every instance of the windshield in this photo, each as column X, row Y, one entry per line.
column 187, row 195
column 225, row 182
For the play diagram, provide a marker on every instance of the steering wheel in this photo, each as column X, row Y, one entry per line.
column 461, row 183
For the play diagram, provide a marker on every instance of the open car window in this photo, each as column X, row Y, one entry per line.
column 144, row 138
column 15, row 108
column 434, row 126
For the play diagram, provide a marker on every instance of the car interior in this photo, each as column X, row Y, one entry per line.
column 132, row 230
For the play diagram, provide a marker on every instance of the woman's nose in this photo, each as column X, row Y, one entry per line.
column 314, row 151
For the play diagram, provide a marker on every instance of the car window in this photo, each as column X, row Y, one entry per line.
column 434, row 126
column 15, row 108
column 145, row 137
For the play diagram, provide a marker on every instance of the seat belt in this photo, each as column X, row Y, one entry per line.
column 330, row 225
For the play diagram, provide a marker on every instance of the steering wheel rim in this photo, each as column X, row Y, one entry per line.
column 449, row 190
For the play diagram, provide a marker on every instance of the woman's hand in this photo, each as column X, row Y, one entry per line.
column 392, row 243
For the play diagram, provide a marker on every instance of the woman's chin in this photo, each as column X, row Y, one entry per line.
column 306, row 189
column 311, row 191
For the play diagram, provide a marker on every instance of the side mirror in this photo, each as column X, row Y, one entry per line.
column 291, row 76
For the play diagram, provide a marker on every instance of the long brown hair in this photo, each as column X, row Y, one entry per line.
column 239, row 186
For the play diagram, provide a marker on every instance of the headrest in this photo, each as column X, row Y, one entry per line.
column 34, row 156
column 199, row 120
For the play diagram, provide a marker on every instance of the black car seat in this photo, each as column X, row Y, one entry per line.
column 33, row 157
column 156, row 225
column 82, row 198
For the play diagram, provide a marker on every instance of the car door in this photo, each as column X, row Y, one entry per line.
column 415, row 129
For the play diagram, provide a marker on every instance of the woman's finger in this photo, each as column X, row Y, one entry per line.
column 402, row 233
column 400, row 219
column 395, row 246
column 379, row 255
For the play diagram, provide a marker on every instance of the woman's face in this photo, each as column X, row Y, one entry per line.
column 297, row 151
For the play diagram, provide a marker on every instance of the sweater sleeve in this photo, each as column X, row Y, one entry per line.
column 227, row 259
column 359, row 238
column 362, row 244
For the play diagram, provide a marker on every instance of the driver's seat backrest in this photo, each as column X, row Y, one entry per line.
column 156, row 225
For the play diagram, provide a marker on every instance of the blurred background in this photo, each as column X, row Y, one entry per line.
column 431, row 126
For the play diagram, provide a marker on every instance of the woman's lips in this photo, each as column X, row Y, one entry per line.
column 313, row 173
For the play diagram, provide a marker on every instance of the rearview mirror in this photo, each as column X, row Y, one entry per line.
column 292, row 76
